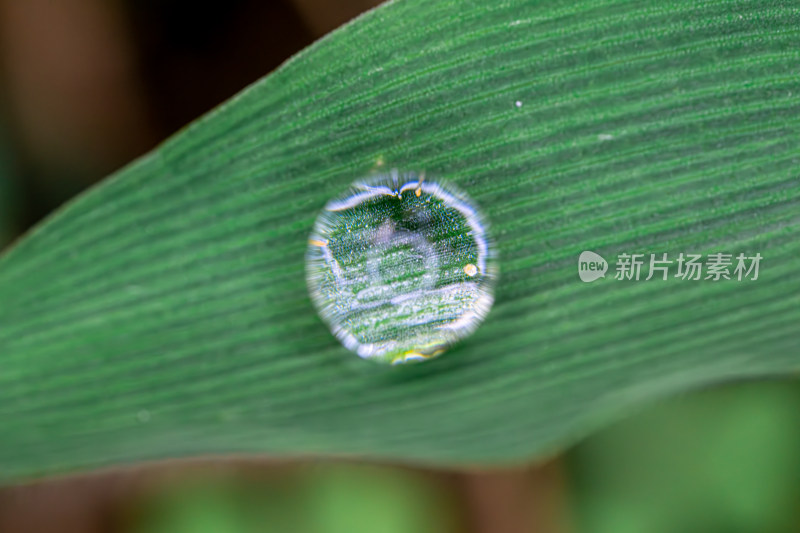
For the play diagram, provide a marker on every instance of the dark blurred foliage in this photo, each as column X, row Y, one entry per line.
column 195, row 55
column 88, row 85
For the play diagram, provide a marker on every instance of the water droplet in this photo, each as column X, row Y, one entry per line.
column 401, row 267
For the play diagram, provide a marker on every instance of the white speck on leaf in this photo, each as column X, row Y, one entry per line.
column 605, row 137
column 518, row 103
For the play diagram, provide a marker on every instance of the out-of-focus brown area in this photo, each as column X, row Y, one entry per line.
column 88, row 85
column 526, row 499
column 74, row 94
column 519, row 499
column 323, row 17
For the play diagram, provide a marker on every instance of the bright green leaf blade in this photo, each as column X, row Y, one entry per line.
column 165, row 313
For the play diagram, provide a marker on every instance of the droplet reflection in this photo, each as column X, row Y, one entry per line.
column 401, row 267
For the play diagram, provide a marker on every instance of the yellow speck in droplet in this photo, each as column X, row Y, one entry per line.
column 470, row 270
column 317, row 242
column 418, row 190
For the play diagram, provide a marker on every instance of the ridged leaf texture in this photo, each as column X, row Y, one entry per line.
column 165, row 314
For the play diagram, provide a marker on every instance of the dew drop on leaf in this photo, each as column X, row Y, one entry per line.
column 401, row 267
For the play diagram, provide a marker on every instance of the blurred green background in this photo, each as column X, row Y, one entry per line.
column 87, row 85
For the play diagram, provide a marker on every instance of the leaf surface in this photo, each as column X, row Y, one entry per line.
column 165, row 313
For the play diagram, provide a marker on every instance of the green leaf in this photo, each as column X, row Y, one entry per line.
column 165, row 313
